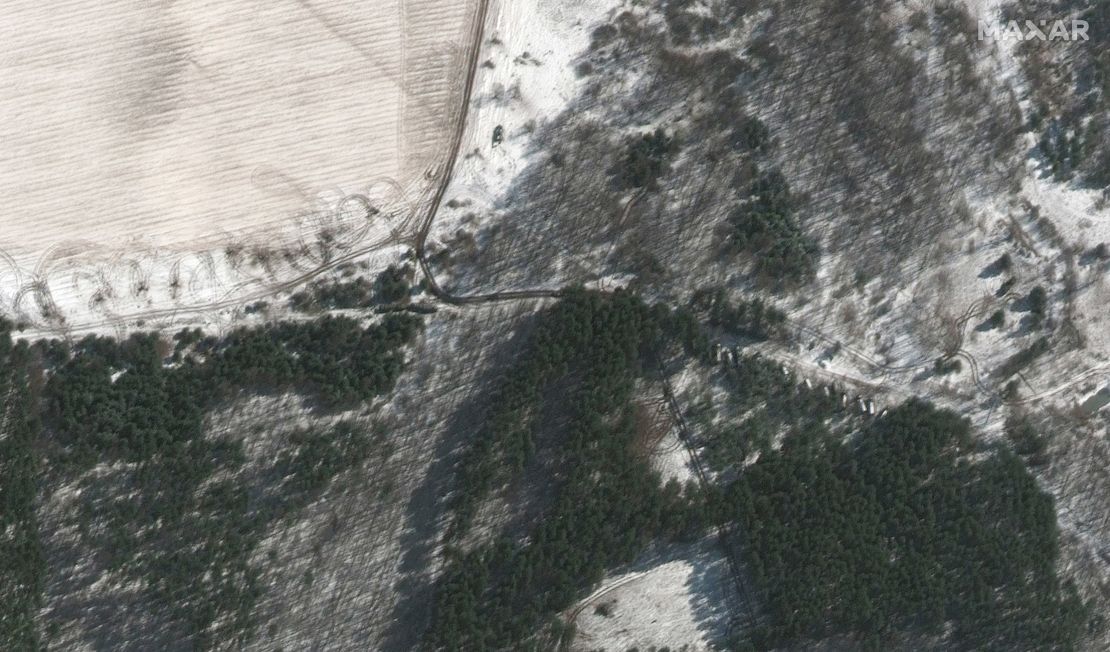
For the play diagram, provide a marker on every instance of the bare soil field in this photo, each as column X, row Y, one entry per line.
column 140, row 137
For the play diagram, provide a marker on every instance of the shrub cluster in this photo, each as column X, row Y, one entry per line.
column 764, row 226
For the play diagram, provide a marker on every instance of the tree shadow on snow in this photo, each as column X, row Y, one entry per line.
column 428, row 510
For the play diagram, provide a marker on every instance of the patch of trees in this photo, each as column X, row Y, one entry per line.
column 1100, row 171
column 1038, row 305
column 333, row 295
column 765, row 227
column 1023, row 358
column 943, row 366
column 728, row 445
column 774, row 403
column 189, row 537
column 646, row 159
column 1098, row 15
column 1027, row 440
column 390, row 287
column 1094, row 73
column 1063, row 150
column 307, row 466
column 686, row 25
column 752, row 318
column 900, row 531
column 603, row 35
column 1004, row 264
column 583, row 330
column 1077, row 140
column 166, row 519
column 608, row 504
column 149, row 407
column 21, row 557
column 1005, row 287
column 608, row 509
column 751, row 135
column 185, row 338
column 892, row 531
column 757, row 381
column 333, row 358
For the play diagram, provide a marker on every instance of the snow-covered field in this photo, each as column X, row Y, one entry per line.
column 144, row 142
column 678, row 599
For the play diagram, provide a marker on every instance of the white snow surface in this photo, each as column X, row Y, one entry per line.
column 526, row 77
column 679, row 601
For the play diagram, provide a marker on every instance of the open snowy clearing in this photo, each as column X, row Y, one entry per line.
column 677, row 600
column 525, row 79
column 143, row 142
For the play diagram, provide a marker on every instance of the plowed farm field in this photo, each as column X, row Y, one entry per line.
column 168, row 155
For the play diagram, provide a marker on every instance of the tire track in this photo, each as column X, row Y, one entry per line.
column 41, row 293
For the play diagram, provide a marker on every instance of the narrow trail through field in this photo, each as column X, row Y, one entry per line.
column 42, row 295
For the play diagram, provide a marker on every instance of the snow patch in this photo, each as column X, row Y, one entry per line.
column 526, row 77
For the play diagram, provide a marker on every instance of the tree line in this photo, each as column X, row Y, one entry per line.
column 877, row 529
column 179, row 516
column 392, row 286
column 21, row 555
column 608, row 506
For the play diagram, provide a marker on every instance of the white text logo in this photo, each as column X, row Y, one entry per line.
column 1030, row 30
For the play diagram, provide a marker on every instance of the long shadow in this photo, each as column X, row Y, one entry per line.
column 427, row 509
column 1096, row 255
column 997, row 268
column 709, row 588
